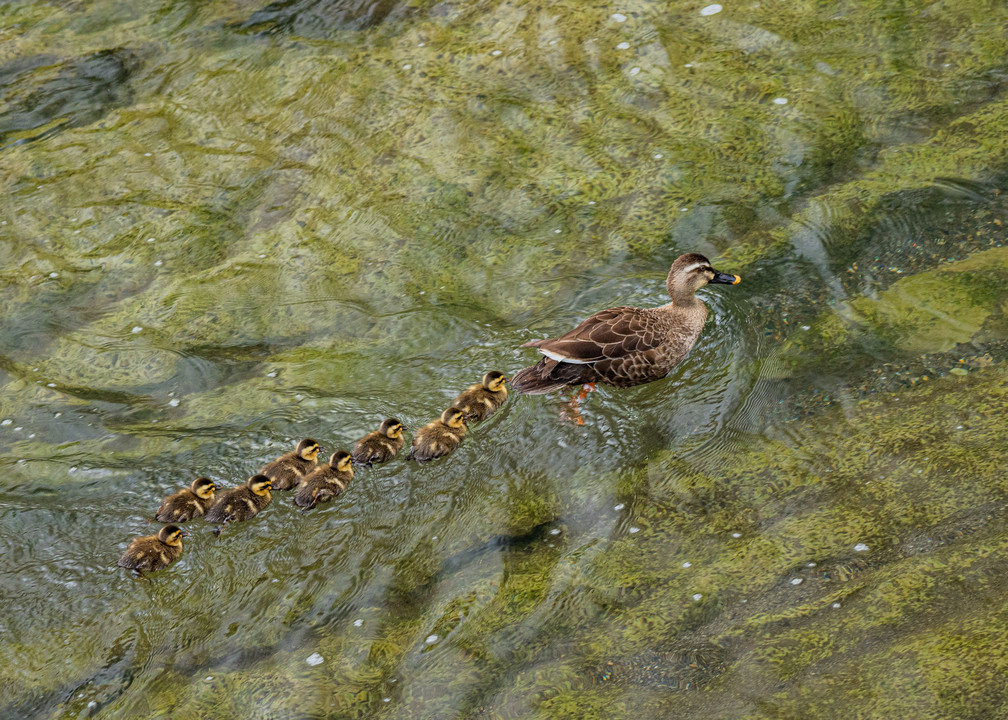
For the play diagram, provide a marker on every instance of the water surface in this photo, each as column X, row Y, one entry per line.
column 227, row 226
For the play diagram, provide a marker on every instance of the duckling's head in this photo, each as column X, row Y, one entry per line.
column 171, row 535
column 259, row 484
column 453, row 417
column 204, row 488
column 308, row 449
column 692, row 271
column 494, row 381
column 391, row 428
column 342, row 461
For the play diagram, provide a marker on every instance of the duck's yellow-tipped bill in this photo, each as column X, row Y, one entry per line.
column 726, row 278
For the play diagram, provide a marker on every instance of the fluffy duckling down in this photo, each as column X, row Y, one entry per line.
column 326, row 482
column 242, row 502
column 287, row 470
column 380, row 445
column 187, row 503
column 153, row 552
column 439, row 437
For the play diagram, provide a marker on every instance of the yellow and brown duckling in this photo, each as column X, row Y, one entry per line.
column 478, row 402
column 327, row 481
column 380, row 445
column 188, row 502
column 242, row 502
column 153, row 552
column 439, row 437
column 626, row 346
column 287, row 470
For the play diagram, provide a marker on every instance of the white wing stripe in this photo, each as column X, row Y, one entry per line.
column 560, row 358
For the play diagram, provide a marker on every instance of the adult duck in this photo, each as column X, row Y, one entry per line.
column 625, row 346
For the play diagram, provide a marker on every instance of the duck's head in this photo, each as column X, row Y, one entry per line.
column 259, row 484
column 453, row 417
column 692, row 271
column 341, row 461
column 391, row 428
column 204, row 488
column 308, row 449
column 494, row 381
column 171, row 535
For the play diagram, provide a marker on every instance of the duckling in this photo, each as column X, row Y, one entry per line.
column 188, row 502
column 439, row 437
column 242, row 502
column 478, row 402
column 326, row 481
column 380, row 445
column 625, row 346
column 288, row 469
column 153, row 552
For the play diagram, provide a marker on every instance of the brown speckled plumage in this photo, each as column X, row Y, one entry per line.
column 187, row 503
column 287, row 471
column 381, row 445
column 153, row 552
column 242, row 502
column 326, row 482
column 439, row 437
column 626, row 346
column 478, row 402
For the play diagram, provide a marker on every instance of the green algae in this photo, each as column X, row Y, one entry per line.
column 330, row 226
column 925, row 313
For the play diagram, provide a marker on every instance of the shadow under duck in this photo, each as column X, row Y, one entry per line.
column 626, row 346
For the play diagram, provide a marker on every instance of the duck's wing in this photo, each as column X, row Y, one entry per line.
column 608, row 334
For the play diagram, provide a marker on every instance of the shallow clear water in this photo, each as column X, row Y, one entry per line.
column 227, row 226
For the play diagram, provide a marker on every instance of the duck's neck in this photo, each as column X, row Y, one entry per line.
column 683, row 298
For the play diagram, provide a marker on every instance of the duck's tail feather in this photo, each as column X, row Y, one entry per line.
column 547, row 375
